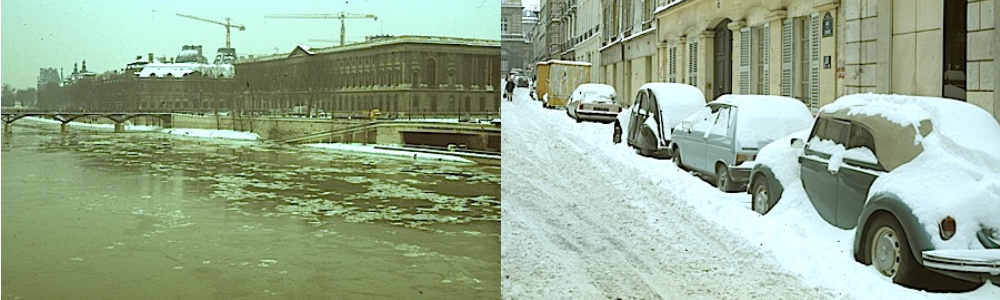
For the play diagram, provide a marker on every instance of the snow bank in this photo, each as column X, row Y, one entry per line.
column 208, row 133
column 370, row 150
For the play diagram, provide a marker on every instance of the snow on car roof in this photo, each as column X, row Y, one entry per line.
column 676, row 100
column 765, row 118
column 961, row 122
column 595, row 88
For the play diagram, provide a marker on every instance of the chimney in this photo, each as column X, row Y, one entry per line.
column 150, row 57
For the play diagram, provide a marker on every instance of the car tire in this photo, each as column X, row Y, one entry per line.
column 616, row 135
column 722, row 179
column 888, row 251
column 676, row 158
column 760, row 195
column 578, row 119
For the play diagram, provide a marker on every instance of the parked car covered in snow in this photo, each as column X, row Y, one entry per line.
column 593, row 102
column 657, row 109
column 722, row 139
column 916, row 178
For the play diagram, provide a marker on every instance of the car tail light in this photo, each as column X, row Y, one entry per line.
column 947, row 228
column 581, row 107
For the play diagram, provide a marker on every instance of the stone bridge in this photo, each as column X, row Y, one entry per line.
column 9, row 116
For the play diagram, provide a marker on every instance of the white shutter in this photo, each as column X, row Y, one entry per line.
column 672, row 69
column 786, row 57
column 814, row 61
column 745, row 60
column 765, row 61
column 693, row 63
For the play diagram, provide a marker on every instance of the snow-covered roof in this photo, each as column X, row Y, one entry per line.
column 594, row 90
column 161, row 70
column 565, row 62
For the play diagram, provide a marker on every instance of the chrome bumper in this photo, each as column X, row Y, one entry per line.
column 972, row 261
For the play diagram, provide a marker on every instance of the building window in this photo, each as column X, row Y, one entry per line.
column 806, row 56
column 787, row 61
column 692, row 72
column 672, row 63
column 955, row 45
column 745, row 65
column 763, row 59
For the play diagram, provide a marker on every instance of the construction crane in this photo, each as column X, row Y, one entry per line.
column 227, row 24
column 340, row 15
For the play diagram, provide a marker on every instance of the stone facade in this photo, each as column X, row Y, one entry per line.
column 407, row 76
column 818, row 50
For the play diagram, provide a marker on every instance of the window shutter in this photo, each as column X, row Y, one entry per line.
column 814, row 61
column 745, row 60
column 672, row 69
column 786, row 57
column 765, row 61
column 693, row 63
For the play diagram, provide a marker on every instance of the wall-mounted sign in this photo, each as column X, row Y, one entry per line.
column 827, row 25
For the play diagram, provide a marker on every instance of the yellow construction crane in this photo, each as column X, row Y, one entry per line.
column 340, row 15
column 227, row 24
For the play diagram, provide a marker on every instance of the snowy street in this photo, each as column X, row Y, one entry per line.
column 584, row 218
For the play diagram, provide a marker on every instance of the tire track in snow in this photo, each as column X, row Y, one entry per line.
column 594, row 224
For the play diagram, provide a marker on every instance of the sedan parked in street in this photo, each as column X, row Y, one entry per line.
column 593, row 102
column 657, row 109
column 916, row 178
column 722, row 139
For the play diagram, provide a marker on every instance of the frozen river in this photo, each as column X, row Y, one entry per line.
column 99, row 215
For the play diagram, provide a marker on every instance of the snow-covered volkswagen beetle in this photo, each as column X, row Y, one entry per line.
column 917, row 178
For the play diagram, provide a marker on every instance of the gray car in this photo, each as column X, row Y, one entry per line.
column 721, row 140
column 914, row 177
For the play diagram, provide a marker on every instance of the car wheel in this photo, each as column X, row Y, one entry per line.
column 888, row 250
column 578, row 119
column 616, row 136
column 677, row 158
column 761, row 195
column 723, row 181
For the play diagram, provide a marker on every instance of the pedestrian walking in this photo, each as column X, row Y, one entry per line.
column 510, row 90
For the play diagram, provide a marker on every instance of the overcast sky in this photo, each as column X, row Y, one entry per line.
column 110, row 33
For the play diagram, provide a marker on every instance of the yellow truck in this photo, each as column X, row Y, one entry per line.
column 558, row 78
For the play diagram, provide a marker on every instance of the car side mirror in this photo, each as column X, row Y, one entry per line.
column 798, row 143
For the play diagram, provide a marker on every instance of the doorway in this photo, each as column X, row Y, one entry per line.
column 723, row 67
